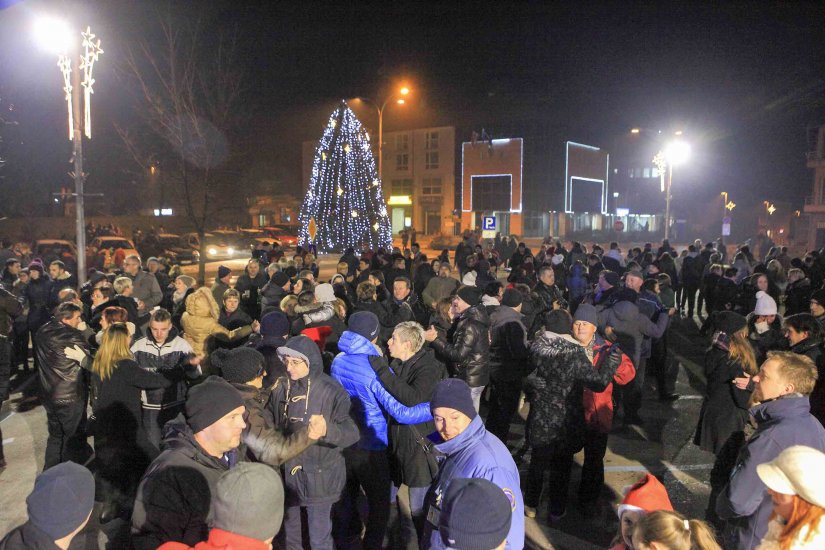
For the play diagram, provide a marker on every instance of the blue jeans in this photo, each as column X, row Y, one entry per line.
column 319, row 526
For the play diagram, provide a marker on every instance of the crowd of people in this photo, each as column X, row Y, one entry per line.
column 264, row 411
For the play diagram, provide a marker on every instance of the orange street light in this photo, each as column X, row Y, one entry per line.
column 404, row 90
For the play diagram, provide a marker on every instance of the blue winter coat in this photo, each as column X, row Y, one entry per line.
column 368, row 398
column 477, row 453
column 745, row 503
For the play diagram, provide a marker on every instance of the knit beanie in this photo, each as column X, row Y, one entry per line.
column 279, row 278
column 611, row 277
column 223, row 271
column 364, row 323
column 453, row 393
column 587, row 313
column 239, row 365
column 511, row 298
column 62, row 498
column 210, row 401
column 275, row 323
column 325, row 293
column 470, row 294
column 475, row 515
column 186, row 280
column 729, row 322
column 249, row 501
column 765, row 305
column 646, row 495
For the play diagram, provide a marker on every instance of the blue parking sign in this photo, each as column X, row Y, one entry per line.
column 488, row 223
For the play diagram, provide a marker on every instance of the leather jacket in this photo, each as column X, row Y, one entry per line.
column 62, row 380
column 468, row 349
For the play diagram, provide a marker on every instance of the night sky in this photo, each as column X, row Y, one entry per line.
column 743, row 81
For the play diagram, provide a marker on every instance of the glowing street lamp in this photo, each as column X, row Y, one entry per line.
column 57, row 37
column 675, row 153
column 403, row 91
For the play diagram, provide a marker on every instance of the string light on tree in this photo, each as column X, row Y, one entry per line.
column 344, row 204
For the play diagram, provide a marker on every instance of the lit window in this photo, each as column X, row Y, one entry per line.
column 431, row 140
column 637, row 172
column 431, row 160
column 646, row 173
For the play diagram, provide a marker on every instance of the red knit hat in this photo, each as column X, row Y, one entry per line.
column 318, row 335
column 646, row 495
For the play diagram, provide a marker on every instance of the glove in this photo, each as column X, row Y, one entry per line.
column 75, row 353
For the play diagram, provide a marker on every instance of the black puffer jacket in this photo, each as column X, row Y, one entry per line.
column 509, row 351
column 174, row 496
column 62, row 380
column 250, row 287
column 556, row 387
column 411, row 382
column 468, row 346
column 37, row 295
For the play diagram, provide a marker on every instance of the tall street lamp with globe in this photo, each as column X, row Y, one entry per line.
column 675, row 153
column 56, row 36
column 403, row 92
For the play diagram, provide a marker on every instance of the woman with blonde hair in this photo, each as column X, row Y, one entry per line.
column 797, row 489
column 668, row 530
column 122, row 446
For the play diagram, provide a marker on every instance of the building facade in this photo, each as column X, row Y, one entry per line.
column 491, row 185
column 814, row 208
column 419, row 179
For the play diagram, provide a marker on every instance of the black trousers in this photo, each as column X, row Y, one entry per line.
column 595, row 447
column 632, row 391
column 67, row 434
column 369, row 470
column 689, row 296
column 504, row 397
column 559, row 460
column 662, row 368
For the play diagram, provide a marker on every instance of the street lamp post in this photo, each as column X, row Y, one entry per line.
column 57, row 36
column 403, row 92
column 676, row 152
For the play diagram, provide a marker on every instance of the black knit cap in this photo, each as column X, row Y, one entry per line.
column 475, row 515
column 210, row 401
column 279, row 278
column 453, row 393
column 729, row 322
column 239, row 365
column 470, row 294
column 819, row 296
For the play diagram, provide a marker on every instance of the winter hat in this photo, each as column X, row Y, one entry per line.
column 646, row 495
column 511, row 298
column 239, row 365
column 36, row 266
column 223, row 271
column 796, row 471
column 325, row 293
column 275, row 323
column 291, row 271
column 587, row 313
column 765, row 305
column 210, row 401
column 634, row 273
column 187, row 280
column 249, row 501
column 729, row 322
column 62, row 498
column 611, row 277
column 94, row 277
column 475, row 514
column 453, row 393
column 318, row 335
column 364, row 323
column 279, row 278
column 470, row 294
column 557, row 259
column 818, row 296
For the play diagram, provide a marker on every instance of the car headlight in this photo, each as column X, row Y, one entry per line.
column 212, row 251
column 230, row 250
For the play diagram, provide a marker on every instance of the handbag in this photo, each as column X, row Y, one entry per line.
column 429, row 450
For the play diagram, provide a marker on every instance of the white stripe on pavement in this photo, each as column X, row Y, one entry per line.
column 7, row 441
column 666, row 466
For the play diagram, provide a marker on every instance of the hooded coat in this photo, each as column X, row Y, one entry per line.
column 475, row 453
column 174, row 497
column 556, row 389
column 744, row 503
column 200, row 323
column 317, row 475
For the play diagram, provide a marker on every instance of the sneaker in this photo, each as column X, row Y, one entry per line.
column 529, row 511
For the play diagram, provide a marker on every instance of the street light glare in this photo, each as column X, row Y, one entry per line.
column 404, row 90
column 53, row 35
column 401, row 102
column 677, row 152
column 635, row 130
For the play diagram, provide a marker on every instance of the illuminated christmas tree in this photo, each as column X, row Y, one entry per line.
column 344, row 205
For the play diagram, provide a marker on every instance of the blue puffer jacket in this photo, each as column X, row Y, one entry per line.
column 475, row 452
column 368, row 398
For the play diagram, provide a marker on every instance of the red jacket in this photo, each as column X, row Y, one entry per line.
column 220, row 540
column 598, row 407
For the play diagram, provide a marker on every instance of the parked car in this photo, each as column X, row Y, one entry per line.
column 215, row 247
column 99, row 243
column 178, row 252
column 287, row 235
column 259, row 236
column 50, row 250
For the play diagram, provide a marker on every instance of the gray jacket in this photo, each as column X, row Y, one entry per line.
column 631, row 327
column 146, row 288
